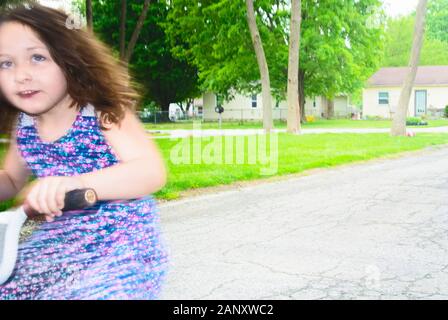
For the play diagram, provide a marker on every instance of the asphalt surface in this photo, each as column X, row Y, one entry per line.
column 377, row 230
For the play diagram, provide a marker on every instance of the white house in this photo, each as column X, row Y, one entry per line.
column 251, row 108
column 429, row 94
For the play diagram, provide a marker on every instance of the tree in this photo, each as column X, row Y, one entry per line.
column 398, row 44
column 123, row 15
column 164, row 78
column 126, row 53
column 399, row 120
column 437, row 20
column 214, row 35
column 340, row 44
column 340, row 47
column 89, row 14
column 5, row 3
column 293, row 120
column 262, row 65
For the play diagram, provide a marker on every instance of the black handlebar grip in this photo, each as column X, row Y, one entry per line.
column 74, row 200
column 79, row 199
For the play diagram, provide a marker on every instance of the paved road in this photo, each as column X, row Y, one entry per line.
column 369, row 231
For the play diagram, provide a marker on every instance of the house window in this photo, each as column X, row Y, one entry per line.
column 314, row 102
column 254, row 101
column 383, row 98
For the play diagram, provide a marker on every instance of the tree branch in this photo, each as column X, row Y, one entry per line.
column 137, row 30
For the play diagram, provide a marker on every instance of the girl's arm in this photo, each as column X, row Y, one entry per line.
column 141, row 170
column 15, row 173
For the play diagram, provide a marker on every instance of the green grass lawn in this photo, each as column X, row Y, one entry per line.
column 296, row 153
column 319, row 123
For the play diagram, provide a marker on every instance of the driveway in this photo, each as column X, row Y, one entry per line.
column 377, row 230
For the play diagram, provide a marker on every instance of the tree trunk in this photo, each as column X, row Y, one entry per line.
column 262, row 65
column 136, row 33
column 123, row 30
column 302, row 95
column 164, row 115
column 399, row 119
column 293, row 119
column 330, row 108
column 89, row 15
column 327, row 108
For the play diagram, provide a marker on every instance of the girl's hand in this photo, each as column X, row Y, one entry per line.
column 47, row 195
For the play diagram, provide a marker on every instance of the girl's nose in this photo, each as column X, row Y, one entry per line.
column 22, row 74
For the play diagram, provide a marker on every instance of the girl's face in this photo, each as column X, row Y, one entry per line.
column 26, row 65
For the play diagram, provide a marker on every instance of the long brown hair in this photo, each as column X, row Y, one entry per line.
column 92, row 72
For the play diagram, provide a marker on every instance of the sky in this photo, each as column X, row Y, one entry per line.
column 56, row 3
column 393, row 8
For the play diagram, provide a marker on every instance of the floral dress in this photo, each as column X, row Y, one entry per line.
column 113, row 250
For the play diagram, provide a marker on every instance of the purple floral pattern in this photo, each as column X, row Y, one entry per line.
column 113, row 250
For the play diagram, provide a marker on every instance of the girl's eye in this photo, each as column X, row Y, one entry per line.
column 38, row 57
column 5, row 64
column 35, row 58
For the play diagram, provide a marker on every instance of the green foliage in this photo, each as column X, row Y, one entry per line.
column 398, row 42
column 5, row 3
column 340, row 44
column 415, row 121
column 166, row 79
column 445, row 114
column 399, row 34
column 214, row 36
column 374, row 118
column 437, row 17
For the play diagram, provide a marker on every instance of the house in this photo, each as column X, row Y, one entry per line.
column 429, row 94
column 243, row 107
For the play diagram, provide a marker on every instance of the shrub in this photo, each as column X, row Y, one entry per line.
column 310, row 118
column 376, row 118
column 415, row 121
column 445, row 114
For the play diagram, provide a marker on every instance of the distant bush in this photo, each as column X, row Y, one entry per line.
column 445, row 114
column 375, row 118
column 310, row 118
column 415, row 121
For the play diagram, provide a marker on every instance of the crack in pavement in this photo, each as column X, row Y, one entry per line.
column 365, row 231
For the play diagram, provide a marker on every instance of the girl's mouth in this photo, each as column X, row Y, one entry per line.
column 28, row 94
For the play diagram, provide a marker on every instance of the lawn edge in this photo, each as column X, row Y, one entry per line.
column 191, row 193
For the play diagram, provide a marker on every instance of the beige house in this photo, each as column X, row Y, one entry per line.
column 429, row 94
column 250, row 107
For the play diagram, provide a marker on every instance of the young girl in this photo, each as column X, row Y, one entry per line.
column 69, row 106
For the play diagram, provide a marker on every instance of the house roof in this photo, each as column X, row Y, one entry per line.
column 426, row 75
